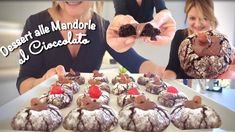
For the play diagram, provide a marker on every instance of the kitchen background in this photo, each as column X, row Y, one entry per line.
column 14, row 13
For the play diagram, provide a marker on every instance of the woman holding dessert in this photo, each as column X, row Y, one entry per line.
column 140, row 12
column 80, row 57
column 200, row 18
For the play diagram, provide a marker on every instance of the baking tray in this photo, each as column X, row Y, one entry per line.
column 8, row 111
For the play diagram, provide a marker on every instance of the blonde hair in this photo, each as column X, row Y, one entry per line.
column 97, row 7
column 205, row 9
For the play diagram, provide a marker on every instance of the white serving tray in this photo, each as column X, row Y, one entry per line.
column 8, row 111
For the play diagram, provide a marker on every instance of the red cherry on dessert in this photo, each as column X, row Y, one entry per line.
column 172, row 89
column 133, row 91
column 55, row 89
column 94, row 91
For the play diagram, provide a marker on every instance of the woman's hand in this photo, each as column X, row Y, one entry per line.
column 120, row 44
column 169, row 74
column 31, row 82
column 58, row 70
column 167, row 25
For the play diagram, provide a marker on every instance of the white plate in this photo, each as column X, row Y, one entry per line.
column 8, row 111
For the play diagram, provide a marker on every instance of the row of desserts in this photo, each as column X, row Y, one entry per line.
column 95, row 116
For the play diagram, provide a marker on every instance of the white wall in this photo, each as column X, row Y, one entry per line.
column 225, row 13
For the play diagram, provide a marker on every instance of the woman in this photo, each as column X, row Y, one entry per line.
column 81, row 57
column 140, row 11
column 200, row 17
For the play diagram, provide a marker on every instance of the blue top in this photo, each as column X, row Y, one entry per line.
column 89, row 57
column 142, row 13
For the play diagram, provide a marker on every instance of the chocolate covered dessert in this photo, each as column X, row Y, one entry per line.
column 143, row 116
column 102, row 85
column 143, row 80
column 171, row 96
column 95, row 94
column 75, row 76
column 68, row 84
column 121, row 76
column 128, row 97
column 38, row 117
column 57, row 96
column 194, row 115
column 91, row 117
column 123, row 84
column 205, row 55
column 155, row 86
column 99, row 77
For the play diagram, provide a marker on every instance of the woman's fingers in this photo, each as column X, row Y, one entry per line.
column 119, row 44
column 60, row 71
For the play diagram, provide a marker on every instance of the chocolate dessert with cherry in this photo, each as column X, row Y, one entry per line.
column 95, row 94
column 128, row 97
column 171, row 96
column 57, row 96
column 91, row 116
column 143, row 116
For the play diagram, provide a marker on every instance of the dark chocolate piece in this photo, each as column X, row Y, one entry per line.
column 150, row 31
column 127, row 30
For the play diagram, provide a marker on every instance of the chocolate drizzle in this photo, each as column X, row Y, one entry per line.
column 157, row 81
column 88, row 104
column 185, row 121
column 28, row 119
column 37, row 105
column 73, row 73
column 124, row 80
column 97, row 74
column 94, row 82
column 80, row 121
column 204, row 117
column 111, row 114
column 75, row 76
column 156, row 87
column 62, row 80
column 149, row 75
column 117, row 78
column 142, row 103
column 131, row 117
column 169, row 100
column 124, row 100
column 206, row 45
column 194, row 104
